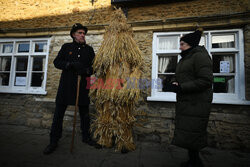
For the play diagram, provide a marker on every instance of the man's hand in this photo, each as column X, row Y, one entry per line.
column 77, row 66
column 73, row 65
column 89, row 71
column 68, row 66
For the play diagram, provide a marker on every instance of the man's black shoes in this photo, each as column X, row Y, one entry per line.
column 91, row 142
column 189, row 163
column 50, row 148
column 86, row 140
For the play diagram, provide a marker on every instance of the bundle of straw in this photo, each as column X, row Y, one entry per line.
column 118, row 58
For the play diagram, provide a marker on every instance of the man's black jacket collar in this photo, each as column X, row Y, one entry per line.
column 79, row 44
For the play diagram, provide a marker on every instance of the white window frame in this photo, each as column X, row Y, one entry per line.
column 221, row 98
column 26, row 89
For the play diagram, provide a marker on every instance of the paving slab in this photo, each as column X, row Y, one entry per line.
column 22, row 146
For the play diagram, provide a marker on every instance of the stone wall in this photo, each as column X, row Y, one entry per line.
column 229, row 125
column 53, row 13
column 192, row 8
column 25, row 110
column 28, row 14
column 247, row 59
column 28, row 110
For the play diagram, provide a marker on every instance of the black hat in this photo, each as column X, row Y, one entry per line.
column 193, row 39
column 78, row 26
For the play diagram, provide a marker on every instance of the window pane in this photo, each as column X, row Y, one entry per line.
column 37, row 79
column 20, row 79
column 223, row 41
column 165, row 79
column 168, row 43
column 38, row 63
column 23, row 47
column 4, row 79
column 223, row 84
column 21, row 63
column 5, row 63
column 224, row 63
column 202, row 41
column 7, row 48
column 40, row 47
column 167, row 64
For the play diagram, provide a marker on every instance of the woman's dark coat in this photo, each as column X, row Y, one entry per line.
column 73, row 52
column 195, row 76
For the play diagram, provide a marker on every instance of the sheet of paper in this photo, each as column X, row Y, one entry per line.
column 224, row 66
column 20, row 81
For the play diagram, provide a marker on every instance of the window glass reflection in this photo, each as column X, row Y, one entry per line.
column 223, row 63
column 40, row 47
column 167, row 64
column 7, row 48
column 224, row 84
column 168, row 43
column 37, row 79
column 4, row 79
column 5, row 63
column 223, row 41
column 23, row 47
column 202, row 41
column 21, row 63
column 38, row 63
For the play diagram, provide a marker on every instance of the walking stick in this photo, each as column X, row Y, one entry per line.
column 76, row 110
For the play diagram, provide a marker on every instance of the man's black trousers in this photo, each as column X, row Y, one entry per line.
column 57, row 125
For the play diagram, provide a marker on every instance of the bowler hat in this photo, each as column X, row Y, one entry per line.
column 78, row 26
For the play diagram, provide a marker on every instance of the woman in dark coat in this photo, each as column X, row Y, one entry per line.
column 193, row 85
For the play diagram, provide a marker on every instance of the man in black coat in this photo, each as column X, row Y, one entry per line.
column 73, row 59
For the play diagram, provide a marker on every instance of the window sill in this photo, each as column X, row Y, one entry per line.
column 160, row 98
column 216, row 100
column 36, row 92
column 45, row 99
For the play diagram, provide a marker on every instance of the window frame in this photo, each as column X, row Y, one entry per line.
column 218, row 98
column 28, row 89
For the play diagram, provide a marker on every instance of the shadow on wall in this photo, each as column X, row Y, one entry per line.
column 64, row 21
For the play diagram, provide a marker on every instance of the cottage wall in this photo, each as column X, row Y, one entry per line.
column 229, row 125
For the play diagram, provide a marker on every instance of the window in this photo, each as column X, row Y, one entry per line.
column 226, row 50
column 23, row 65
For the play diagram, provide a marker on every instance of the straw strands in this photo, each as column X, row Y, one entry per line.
column 118, row 59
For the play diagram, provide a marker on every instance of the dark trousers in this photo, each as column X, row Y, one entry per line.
column 193, row 155
column 56, row 127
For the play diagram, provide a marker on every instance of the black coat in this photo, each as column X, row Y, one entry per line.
column 194, row 73
column 73, row 52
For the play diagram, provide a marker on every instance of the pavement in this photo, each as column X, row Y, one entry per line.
column 22, row 146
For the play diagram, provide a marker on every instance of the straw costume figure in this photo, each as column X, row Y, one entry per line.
column 118, row 66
